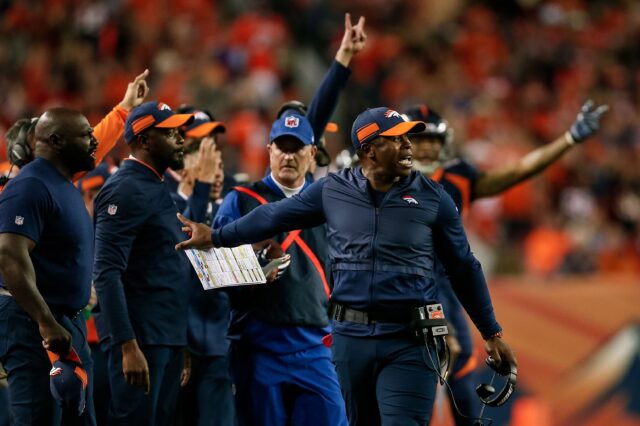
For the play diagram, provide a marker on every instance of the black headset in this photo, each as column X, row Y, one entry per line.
column 487, row 392
column 293, row 106
column 18, row 149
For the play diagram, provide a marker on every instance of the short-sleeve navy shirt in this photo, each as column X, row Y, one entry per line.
column 44, row 206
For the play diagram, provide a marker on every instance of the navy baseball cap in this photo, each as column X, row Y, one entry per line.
column 295, row 125
column 203, row 124
column 435, row 124
column 68, row 380
column 381, row 121
column 153, row 114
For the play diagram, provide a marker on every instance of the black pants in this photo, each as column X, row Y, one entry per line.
column 207, row 400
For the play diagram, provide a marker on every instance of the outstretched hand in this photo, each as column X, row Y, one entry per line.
column 587, row 122
column 353, row 40
column 136, row 93
column 199, row 232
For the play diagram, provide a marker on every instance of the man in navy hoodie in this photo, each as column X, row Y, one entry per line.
column 142, row 284
column 385, row 225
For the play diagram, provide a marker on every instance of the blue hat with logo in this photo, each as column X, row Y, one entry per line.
column 68, row 380
column 295, row 125
column 381, row 121
column 153, row 114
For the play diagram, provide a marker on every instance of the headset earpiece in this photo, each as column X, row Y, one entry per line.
column 487, row 392
column 19, row 151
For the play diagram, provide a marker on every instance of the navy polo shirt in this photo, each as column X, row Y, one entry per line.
column 44, row 206
column 143, row 283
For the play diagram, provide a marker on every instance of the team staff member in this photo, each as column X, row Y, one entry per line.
column 207, row 397
column 280, row 356
column 46, row 254
column 464, row 183
column 287, row 339
column 21, row 141
column 141, row 282
column 380, row 270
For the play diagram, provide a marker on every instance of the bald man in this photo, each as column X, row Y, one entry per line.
column 46, row 256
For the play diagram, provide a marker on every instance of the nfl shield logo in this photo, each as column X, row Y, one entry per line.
column 291, row 121
column 112, row 209
column 19, row 220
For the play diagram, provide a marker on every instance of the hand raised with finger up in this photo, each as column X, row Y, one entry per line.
column 353, row 40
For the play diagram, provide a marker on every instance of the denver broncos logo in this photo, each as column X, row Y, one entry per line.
column 199, row 115
column 55, row 371
column 391, row 113
column 163, row 107
column 409, row 199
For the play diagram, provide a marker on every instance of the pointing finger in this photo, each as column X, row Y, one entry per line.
column 142, row 76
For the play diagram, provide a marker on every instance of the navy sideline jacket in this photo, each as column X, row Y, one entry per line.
column 382, row 258
column 141, row 280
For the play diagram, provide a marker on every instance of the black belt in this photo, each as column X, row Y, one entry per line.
column 340, row 312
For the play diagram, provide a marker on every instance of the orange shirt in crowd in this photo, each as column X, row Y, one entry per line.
column 545, row 249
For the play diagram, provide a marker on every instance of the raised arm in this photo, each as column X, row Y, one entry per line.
column 110, row 128
column 300, row 211
column 496, row 181
column 325, row 99
column 467, row 278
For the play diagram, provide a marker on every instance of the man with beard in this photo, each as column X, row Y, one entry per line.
column 21, row 141
column 385, row 225
column 142, row 284
column 46, row 255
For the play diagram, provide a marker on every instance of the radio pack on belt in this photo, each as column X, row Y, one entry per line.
column 429, row 321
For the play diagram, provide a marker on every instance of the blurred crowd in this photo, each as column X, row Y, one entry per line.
column 508, row 76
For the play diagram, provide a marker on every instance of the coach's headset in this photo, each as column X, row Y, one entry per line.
column 487, row 392
column 18, row 148
column 19, row 151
